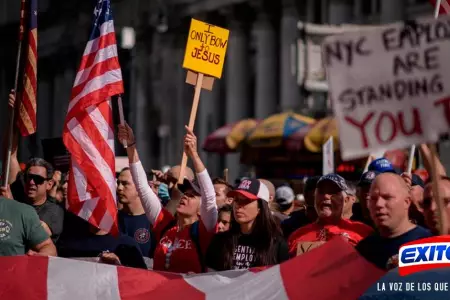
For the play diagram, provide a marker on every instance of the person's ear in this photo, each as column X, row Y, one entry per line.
column 50, row 184
column 229, row 200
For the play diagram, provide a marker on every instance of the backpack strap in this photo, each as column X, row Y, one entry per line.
column 168, row 226
column 195, row 237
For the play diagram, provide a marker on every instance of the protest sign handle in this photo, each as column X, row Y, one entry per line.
column 435, row 177
column 225, row 174
column 369, row 160
column 198, row 89
column 122, row 119
column 437, row 8
column 412, row 152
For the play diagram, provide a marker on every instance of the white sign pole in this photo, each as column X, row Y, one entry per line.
column 437, row 9
column 328, row 157
column 412, row 152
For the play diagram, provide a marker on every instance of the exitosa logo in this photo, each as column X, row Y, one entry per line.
column 424, row 254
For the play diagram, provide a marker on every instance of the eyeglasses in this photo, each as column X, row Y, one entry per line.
column 37, row 179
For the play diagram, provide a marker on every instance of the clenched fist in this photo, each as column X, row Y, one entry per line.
column 126, row 134
column 190, row 143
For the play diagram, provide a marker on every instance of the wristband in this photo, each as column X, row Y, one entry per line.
column 132, row 144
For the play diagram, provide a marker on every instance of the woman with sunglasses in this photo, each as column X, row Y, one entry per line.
column 182, row 239
column 254, row 239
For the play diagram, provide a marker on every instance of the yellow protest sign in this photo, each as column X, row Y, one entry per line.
column 206, row 48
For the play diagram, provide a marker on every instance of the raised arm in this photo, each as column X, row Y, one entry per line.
column 14, row 167
column 427, row 157
column 208, row 207
column 150, row 201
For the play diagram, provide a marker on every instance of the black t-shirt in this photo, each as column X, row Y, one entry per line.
column 244, row 256
column 49, row 212
column 380, row 251
column 53, row 215
column 296, row 220
column 78, row 241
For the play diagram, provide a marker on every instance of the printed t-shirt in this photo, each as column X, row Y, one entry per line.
column 20, row 228
column 175, row 251
column 53, row 215
column 138, row 228
column 383, row 251
column 350, row 230
column 244, row 255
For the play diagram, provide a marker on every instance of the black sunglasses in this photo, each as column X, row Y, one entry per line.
column 37, row 179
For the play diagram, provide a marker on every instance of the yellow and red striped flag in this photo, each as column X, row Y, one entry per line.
column 26, row 120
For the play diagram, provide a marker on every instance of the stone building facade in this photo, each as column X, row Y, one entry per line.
column 259, row 76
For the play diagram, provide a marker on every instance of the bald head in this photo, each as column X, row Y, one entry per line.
column 174, row 172
column 389, row 203
column 270, row 187
column 393, row 180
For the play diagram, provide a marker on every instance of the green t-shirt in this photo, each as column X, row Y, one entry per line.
column 20, row 228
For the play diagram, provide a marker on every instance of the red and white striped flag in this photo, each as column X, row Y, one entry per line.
column 444, row 6
column 26, row 120
column 332, row 271
column 88, row 129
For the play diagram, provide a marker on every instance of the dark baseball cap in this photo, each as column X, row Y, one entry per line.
column 252, row 189
column 189, row 184
column 336, row 179
column 417, row 180
column 367, row 178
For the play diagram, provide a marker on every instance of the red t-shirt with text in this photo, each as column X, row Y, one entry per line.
column 351, row 230
column 184, row 257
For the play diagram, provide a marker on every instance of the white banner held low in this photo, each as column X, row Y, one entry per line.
column 328, row 157
column 390, row 86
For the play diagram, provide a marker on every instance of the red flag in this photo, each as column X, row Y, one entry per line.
column 444, row 7
column 332, row 271
column 88, row 130
column 26, row 120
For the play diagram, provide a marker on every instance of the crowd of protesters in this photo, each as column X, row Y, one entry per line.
column 206, row 224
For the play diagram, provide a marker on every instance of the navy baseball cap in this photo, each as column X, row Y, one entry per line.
column 336, row 179
column 382, row 165
column 252, row 189
column 417, row 180
column 367, row 178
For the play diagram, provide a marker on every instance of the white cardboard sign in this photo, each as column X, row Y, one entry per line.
column 390, row 86
column 328, row 157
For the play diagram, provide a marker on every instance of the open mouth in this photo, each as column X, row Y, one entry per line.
column 326, row 205
column 380, row 215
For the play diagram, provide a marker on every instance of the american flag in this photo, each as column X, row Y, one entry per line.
column 27, row 106
column 88, row 129
column 444, row 7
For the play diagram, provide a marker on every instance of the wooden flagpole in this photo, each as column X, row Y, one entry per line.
column 10, row 132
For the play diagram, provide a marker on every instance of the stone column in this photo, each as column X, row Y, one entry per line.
column 237, row 87
column 340, row 11
column 290, row 95
column 140, row 99
column 266, row 64
column 392, row 11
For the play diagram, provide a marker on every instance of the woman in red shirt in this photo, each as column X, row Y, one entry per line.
column 182, row 239
column 331, row 192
